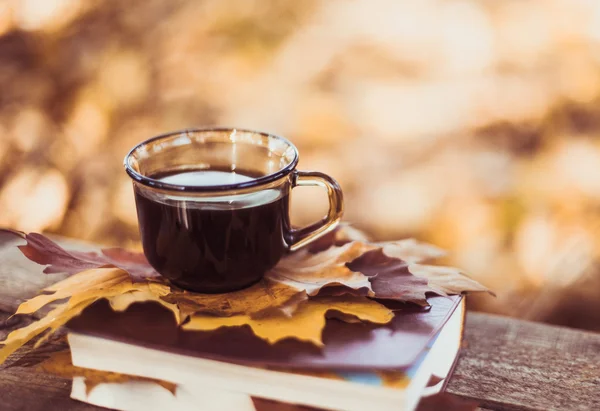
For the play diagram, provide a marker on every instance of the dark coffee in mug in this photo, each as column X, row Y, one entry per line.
column 213, row 205
column 191, row 242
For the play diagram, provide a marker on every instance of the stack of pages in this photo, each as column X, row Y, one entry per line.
column 361, row 366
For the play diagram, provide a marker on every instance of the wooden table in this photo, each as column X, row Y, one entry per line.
column 505, row 364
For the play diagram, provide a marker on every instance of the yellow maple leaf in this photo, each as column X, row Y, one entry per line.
column 121, row 302
column 306, row 324
column 78, row 284
column 262, row 296
column 54, row 319
column 81, row 289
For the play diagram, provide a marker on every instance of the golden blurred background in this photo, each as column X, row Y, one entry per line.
column 471, row 124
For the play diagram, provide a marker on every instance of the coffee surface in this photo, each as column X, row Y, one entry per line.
column 205, row 178
column 213, row 244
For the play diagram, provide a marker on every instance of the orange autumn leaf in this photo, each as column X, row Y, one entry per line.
column 262, row 296
column 79, row 284
column 121, row 302
column 306, row 324
column 282, row 305
column 81, row 290
column 54, row 319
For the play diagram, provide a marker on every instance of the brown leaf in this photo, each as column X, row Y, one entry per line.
column 262, row 296
column 122, row 302
column 44, row 251
column 306, row 324
column 390, row 277
column 446, row 280
column 395, row 279
column 60, row 364
column 312, row 272
column 301, row 271
column 268, row 307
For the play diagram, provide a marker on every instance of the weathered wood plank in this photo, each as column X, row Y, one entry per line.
column 509, row 364
column 23, row 388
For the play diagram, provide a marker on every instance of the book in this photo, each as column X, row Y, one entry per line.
column 360, row 367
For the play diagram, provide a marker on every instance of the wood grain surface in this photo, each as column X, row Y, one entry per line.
column 509, row 364
column 505, row 364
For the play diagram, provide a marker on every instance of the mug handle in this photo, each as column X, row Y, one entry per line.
column 303, row 236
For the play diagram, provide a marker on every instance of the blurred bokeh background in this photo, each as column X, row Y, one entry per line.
column 472, row 124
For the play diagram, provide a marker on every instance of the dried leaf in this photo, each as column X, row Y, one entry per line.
column 306, row 324
column 296, row 273
column 311, row 272
column 80, row 284
column 390, row 278
column 54, row 319
column 353, row 268
column 44, row 251
column 262, row 296
column 446, row 280
column 60, row 364
column 122, row 302
column 81, row 289
column 395, row 279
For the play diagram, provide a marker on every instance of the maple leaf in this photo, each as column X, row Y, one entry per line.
column 312, row 272
column 263, row 296
column 409, row 250
column 54, row 319
column 292, row 301
column 82, row 285
column 390, row 277
column 122, row 302
column 446, row 280
column 301, row 271
column 396, row 279
column 80, row 291
column 44, row 251
column 306, row 324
